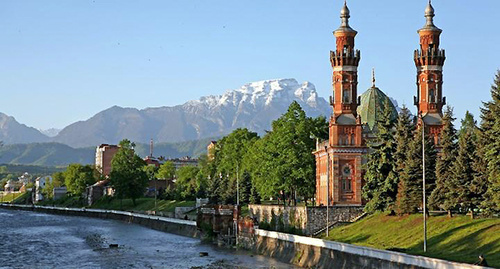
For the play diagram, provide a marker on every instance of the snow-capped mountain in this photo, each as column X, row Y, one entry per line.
column 254, row 106
column 51, row 132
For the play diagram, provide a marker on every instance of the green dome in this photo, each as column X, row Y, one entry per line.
column 372, row 107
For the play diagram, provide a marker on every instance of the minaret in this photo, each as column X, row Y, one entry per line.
column 339, row 162
column 429, row 60
column 344, row 60
column 151, row 148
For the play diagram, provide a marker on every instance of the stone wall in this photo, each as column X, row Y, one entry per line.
column 307, row 219
column 290, row 216
column 316, row 216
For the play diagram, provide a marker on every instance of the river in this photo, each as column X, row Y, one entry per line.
column 35, row 240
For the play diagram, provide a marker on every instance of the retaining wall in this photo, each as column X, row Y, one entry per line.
column 317, row 253
column 316, row 216
column 169, row 225
column 308, row 219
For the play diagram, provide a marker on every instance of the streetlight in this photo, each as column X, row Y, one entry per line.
column 327, row 189
column 237, row 186
column 423, row 181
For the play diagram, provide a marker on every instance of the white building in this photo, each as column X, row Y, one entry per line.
column 39, row 185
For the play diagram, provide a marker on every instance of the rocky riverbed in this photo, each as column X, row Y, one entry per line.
column 34, row 240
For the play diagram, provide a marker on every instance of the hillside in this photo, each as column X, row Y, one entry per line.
column 55, row 154
column 12, row 132
column 458, row 238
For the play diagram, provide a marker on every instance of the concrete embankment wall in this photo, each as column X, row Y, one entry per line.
column 317, row 253
column 169, row 225
column 309, row 219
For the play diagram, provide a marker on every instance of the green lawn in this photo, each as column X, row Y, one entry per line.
column 9, row 197
column 142, row 204
column 458, row 239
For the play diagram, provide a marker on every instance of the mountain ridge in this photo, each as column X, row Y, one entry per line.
column 254, row 106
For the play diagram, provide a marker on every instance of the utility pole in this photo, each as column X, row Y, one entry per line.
column 237, row 186
column 327, row 189
column 423, row 182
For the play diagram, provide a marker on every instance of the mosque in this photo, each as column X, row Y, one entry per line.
column 339, row 160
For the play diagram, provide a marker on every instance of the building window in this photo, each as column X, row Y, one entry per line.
column 346, row 178
column 432, row 96
column 347, row 96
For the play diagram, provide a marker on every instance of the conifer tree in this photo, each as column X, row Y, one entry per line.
column 403, row 136
column 479, row 184
column 463, row 172
column 380, row 188
column 410, row 193
column 492, row 151
column 405, row 127
column 440, row 197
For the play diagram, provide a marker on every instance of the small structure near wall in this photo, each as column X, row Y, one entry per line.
column 10, row 186
column 40, row 183
column 59, row 192
column 201, row 202
column 96, row 191
column 219, row 220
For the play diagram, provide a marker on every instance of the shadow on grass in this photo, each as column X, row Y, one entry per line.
column 464, row 249
column 362, row 238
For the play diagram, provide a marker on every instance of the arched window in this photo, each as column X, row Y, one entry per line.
column 346, row 178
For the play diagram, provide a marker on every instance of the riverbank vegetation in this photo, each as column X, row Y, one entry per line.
column 13, row 197
column 142, row 204
column 459, row 238
column 111, row 203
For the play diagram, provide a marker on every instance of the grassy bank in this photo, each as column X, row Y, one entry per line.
column 142, row 204
column 12, row 197
column 458, row 239
column 110, row 203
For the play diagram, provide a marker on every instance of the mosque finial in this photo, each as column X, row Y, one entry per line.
column 373, row 77
column 429, row 14
column 345, row 15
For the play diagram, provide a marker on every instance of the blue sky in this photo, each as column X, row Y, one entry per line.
column 63, row 61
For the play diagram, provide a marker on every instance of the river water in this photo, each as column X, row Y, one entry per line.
column 35, row 240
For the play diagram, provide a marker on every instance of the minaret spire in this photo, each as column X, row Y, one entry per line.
column 429, row 15
column 345, row 15
column 373, row 77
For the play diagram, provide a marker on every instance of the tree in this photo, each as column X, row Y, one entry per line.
column 283, row 165
column 57, row 181
column 410, row 196
column 166, row 171
column 479, row 184
column 228, row 160
column 491, row 128
column 403, row 136
column 78, row 177
column 381, row 184
column 186, row 185
column 463, row 167
column 128, row 176
column 442, row 196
